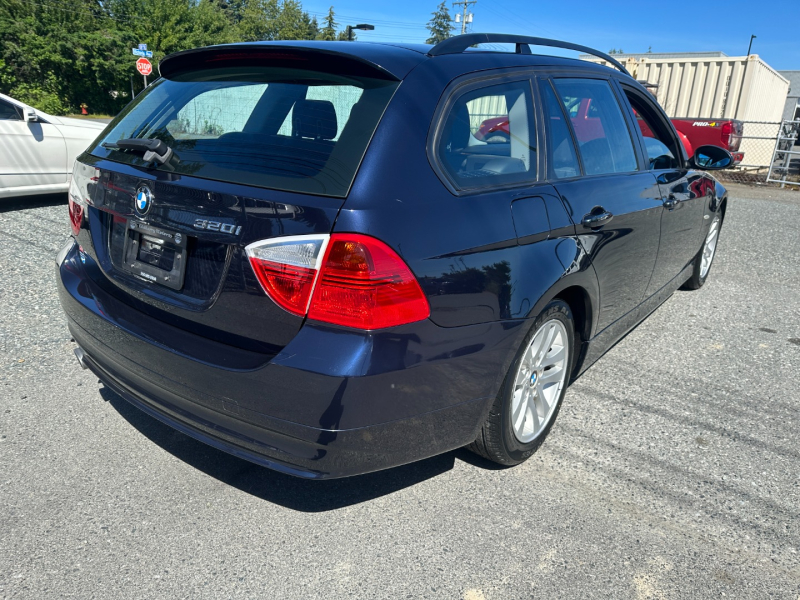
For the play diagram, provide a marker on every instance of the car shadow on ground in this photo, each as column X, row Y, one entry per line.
column 288, row 491
column 28, row 202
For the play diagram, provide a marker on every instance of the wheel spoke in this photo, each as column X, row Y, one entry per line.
column 548, row 337
column 556, row 357
column 542, row 401
column 536, row 346
column 534, row 416
column 518, row 417
column 551, row 376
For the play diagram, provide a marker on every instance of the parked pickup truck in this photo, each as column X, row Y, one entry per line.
column 726, row 133
column 693, row 133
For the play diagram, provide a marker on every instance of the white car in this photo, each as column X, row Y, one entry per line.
column 37, row 150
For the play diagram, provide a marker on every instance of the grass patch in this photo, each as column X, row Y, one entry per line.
column 90, row 116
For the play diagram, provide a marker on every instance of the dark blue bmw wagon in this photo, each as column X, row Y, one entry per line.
column 331, row 258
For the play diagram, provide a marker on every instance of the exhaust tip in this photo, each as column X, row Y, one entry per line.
column 81, row 356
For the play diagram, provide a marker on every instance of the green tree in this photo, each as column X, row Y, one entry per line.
column 209, row 25
column 328, row 31
column 440, row 26
column 57, row 56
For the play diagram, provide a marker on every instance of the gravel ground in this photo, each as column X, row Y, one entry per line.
column 672, row 471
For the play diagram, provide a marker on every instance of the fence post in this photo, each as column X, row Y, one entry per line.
column 774, row 152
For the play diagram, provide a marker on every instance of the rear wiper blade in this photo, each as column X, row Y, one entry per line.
column 154, row 149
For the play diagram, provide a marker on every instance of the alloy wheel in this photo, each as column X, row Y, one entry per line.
column 709, row 247
column 540, row 377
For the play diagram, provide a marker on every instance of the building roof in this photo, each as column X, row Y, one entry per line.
column 794, row 82
column 657, row 55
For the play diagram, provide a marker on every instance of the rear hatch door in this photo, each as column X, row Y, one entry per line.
column 249, row 145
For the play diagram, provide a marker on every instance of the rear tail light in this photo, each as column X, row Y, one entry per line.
column 345, row 279
column 287, row 267
column 731, row 135
column 76, row 207
column 727, row 129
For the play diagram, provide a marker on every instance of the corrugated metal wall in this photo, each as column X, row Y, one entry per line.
column 744, row 88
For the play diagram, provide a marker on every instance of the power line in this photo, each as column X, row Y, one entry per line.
column 512, row 18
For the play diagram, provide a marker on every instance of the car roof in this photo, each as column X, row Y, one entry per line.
column 399, row 59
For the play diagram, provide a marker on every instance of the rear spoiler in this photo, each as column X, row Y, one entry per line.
column 318, row 57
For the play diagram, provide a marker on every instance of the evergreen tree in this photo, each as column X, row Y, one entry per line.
column 328, row 32
column 440, row 26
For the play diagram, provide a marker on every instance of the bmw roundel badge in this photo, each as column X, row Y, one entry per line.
column 144, row 198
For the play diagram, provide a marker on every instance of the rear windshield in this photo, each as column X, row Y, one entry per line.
column 279, row 128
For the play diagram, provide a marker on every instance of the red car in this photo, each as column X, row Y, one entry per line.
column 693, row 133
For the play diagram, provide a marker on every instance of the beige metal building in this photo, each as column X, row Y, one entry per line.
column 712, row 85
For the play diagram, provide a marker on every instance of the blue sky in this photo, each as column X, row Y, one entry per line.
column 677, row 27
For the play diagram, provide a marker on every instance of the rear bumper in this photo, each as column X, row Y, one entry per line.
column 378, row 400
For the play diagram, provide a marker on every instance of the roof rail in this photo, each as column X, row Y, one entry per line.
column 457, row 44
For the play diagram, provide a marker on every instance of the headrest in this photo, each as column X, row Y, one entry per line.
column 314, row 119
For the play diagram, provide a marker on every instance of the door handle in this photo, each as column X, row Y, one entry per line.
column 670, row 202
column 597, row 218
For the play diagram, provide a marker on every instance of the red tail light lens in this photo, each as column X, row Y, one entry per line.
column 287, row 267
column 345, row 279
column 75, row 216
column 727, row 130
column 364, row 284
column 290, row 287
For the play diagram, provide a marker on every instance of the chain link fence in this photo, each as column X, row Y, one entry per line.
column 769, row 154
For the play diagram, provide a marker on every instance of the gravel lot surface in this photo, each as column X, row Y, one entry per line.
column 672, row 472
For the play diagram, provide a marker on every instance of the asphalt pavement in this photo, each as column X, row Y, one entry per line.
column 672, row 471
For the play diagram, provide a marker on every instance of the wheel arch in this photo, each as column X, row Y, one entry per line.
column 580, row 304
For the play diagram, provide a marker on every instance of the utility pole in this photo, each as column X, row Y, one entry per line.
column 466, row 4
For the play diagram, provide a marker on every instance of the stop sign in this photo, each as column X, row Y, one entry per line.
column 144, row 67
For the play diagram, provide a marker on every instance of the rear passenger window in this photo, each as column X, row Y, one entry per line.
column 562, row 161
column 604, row 141
column 488, row 137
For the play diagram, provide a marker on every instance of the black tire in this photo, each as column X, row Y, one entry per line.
column 496, row 440
column 697, row 280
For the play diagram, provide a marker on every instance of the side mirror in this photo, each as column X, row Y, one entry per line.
column 711, row 158
column 30, row 114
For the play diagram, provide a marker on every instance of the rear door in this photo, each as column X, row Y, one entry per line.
column 683, row 191
column 614, row 204
column 263, row 147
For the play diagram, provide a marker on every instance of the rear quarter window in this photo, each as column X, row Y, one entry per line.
column 488, row 137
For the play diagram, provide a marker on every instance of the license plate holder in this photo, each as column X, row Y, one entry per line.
column 155, row 254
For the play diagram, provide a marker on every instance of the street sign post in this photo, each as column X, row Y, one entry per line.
column 142, row 50
column 145, row 68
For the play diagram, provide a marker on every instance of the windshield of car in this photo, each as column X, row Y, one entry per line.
column 278, row 128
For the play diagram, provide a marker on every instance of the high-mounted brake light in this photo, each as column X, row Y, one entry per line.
column 345, row 279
